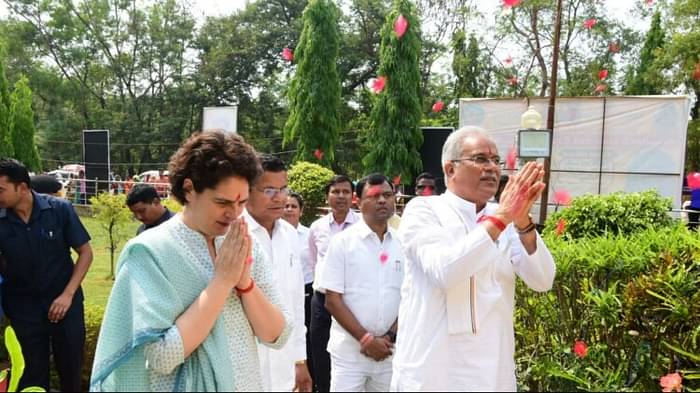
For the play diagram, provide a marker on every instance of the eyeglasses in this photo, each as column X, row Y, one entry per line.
column 481, row 160
column 272, row 192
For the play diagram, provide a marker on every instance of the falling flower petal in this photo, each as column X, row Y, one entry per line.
column 378, row 84
column 589, row 23
column 561, row 227
column 600, row 88
column 580, row 349
column 671, row 382
column 318, row 153
column 510, row 3
column 694, row 180
column 438, row 106
column 400, row 26
column 602, row 74
column 512, row 80
column 288, row 55
column 614, row 47
column 512, row 158
column 397, row 180
column 562, row 197
column 508, row 61
column 649, row 3
column 383, row 257
column 696, row 73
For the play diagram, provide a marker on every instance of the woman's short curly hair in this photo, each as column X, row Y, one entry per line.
column 207, row 158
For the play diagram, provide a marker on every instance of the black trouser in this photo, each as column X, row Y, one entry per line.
column 65, row 340
column 320, row 332
column 308, row 295
column 693, row 218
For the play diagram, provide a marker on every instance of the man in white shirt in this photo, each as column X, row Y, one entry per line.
column 339, row 196
column 362, row 277
column 462, row 258
column 293, row 210
column 284, row 369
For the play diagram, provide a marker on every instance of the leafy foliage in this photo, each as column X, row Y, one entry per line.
column 632, row 298
column 641, row 81
column 113, row 215
column 617, row 213
column 309, row 180
column 395, row 132
column 6, row 149
column 22, row 126
column 314, row 93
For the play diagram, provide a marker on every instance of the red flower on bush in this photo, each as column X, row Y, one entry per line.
column 671, row 382
column 438, row 106
column 602, row 74
column 561, row 227
column 580, row 349
column 378, row 84
column 589, row 23
column 318, row 153
column 288, row 55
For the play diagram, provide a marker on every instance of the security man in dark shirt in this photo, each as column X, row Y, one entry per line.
column 41, row 292
column 144, row 202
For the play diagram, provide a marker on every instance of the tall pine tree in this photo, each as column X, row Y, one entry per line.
column 22, row 125
column 314, row 93
column 6, row 149
column 642, row 79
column 470, row 67
column 394, row 132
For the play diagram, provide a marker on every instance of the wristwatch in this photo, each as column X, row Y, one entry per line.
column 391, row 335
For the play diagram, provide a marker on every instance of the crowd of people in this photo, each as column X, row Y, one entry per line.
column 235, row 294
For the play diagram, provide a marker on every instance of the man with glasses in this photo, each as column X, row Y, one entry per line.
column 339, row 196
column 284, row 369
column 462, row 258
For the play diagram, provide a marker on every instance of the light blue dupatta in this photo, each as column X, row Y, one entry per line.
column 156, row 282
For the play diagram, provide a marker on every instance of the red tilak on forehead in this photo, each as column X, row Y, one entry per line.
column 374, row 191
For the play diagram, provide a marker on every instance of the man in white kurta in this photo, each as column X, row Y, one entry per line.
column 362, row 277
column 462, row 258
column 282, row 369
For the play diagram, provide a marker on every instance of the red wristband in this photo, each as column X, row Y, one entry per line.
column 494, row 220
column 241, row 292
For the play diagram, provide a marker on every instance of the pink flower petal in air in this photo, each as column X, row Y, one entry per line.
column 318, row 153
column 288, row 55
column 694, row 180
column 602, row 74
column 397, row 180
column 671, row 382
column 649, row 3
column 378, row 84
column 580, row 349
column 400, row 26
column 510, row 3
column 383, row 257
column 508, row 61
column 438, row 106
column 600, row 88
column 512, row 158
column 562, row 197
column 589, row 23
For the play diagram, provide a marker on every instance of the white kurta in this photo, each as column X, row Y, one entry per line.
column 277, row 366
column 458, row 296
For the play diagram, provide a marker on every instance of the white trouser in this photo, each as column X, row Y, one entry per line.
column 362, row 374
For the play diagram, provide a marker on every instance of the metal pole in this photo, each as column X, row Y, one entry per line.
column 550, row 111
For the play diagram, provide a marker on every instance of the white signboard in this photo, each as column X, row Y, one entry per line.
column 220, row 118
column 600, row 144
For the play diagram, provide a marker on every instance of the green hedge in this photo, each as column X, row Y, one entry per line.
column 309, row 180
column 634, row 299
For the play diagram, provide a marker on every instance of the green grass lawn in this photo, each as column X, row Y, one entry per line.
column 97, row 285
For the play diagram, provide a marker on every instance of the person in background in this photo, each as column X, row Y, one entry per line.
column 144, row 202
column 41, row 293
column 362, row 277
column 293, row 210
column 128, row 185
column 193, row 297
column 339, row 191
column 463, row 257
column 425, row 184
column 283, row 370
column 80, row 189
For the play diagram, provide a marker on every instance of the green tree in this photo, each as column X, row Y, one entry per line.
column 314, row 93
column 309, row 180
column 113, row 215
column 6, row 149
column 22, row 126
column 396, row 115
column 641, row 81
column 470, row 67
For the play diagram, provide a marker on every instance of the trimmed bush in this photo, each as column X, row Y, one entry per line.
column 617, row 213
column 309, row 180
